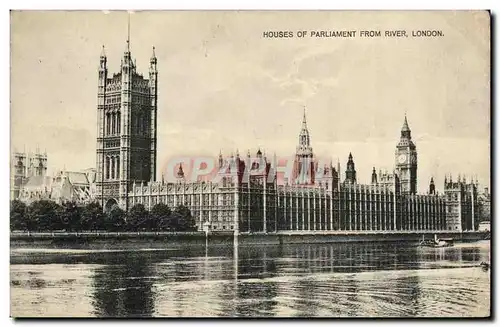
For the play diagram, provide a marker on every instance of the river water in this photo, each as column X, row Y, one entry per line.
column 306, row 280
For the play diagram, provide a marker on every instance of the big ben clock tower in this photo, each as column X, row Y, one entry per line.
column 406, row 161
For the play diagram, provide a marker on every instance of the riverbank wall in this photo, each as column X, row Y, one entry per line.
column 227, row 238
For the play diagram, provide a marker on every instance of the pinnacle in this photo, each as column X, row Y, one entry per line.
column 405, row 125
column 153, row 55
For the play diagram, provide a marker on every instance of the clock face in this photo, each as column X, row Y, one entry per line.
column 402, row 158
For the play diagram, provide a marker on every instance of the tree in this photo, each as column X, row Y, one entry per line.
column 43, row 215
column 184, row 220
column 18, row 219
column 160, row 217
column 115, row 219
column 71, row 216
column 137, row 218
column 93, row 217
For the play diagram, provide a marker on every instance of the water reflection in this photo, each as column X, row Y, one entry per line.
column 124, row 289
column 303, row 280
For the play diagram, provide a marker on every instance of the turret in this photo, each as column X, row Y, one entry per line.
column 335, row 178
column 374, row 176
column 350, row 173
column 221, row 160
column 103, row 60
column 152, row 62
column 432, row 187
column 103, row 71
column 153, row 91
column 180, row 173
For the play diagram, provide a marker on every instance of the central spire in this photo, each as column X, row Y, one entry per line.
column 304, row 132
column 304, row 120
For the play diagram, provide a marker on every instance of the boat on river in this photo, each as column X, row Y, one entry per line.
column 485, row 265
column 436, row 242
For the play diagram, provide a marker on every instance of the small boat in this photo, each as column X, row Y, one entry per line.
column 436, row 243
column 485, row 266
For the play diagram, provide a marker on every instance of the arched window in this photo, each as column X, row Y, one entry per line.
column 113, row 123
column 118, row 120
column 118, row 167
column 107, row 168
column 112, row 166
column 107, row 123
column 145, row 128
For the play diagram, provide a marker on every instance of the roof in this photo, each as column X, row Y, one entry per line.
column 405, row 127
column 77, row 177
column 91, row 174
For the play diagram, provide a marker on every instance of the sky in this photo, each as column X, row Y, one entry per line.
column 223, row 86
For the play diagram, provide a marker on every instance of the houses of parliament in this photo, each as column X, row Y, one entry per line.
column 246, row 197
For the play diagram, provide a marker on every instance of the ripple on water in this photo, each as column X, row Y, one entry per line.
column 305, row 281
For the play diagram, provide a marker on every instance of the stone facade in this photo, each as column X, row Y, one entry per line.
column 64, row 186
column 126, row 127
column 23, row 166
column 245, row 196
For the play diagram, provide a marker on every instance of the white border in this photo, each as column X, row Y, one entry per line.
column 183, row 5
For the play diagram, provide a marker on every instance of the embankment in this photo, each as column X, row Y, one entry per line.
column 180, row 239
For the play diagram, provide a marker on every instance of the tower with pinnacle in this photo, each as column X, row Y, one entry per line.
column 350, row 172
column 304, row 157
column 406, row 161
column 126, row 128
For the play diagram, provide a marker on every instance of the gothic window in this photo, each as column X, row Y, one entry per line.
column 112, row 167
column 107, row 122
column 118, row 167
column 115, row 168
column 145, row 126
column 107, row 167
column 118, row 120
column 112, row 123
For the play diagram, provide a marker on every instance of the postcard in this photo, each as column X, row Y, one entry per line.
column 303, row 164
